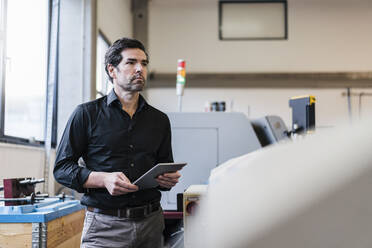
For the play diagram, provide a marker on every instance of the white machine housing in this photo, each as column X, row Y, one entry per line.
column 205, row 140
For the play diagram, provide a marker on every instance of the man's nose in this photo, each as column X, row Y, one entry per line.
column 139, row 68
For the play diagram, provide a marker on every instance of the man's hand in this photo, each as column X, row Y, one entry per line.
column 168, row 180
column 117, row 183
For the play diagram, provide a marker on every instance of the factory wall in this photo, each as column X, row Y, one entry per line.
column 25, row 161
column 323, row 36
column 31, row 161
column 114, row 18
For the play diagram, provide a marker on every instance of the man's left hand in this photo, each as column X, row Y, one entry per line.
column 168, row 180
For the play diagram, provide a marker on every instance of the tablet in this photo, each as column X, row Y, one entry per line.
column 147, row 180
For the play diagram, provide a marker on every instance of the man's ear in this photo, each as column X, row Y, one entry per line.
column 111, row 70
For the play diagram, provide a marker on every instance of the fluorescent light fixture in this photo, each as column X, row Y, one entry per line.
column 253, row 20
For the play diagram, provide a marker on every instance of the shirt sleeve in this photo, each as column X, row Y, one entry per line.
column 72, row 146
column 165, row 154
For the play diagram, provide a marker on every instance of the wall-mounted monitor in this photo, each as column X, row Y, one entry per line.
column 253, row 20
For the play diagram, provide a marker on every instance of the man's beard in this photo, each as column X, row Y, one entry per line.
column 135, row 87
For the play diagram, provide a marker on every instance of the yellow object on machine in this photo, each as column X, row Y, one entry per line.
column 191, row 198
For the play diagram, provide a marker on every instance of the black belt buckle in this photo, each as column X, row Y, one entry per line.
column 136, row 212
column 140, row 212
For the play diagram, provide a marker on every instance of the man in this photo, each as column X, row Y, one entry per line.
column 120, row 137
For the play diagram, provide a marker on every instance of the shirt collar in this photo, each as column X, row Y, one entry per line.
column 112, row 97
column 141, row 103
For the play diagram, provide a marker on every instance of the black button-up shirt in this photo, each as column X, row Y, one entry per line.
column 109, row 140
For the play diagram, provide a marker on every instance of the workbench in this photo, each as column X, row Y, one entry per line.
column 53, row 222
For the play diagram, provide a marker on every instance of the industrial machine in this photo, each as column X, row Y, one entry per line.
column 206, row 140
column 20, row 191
column 314, row 192
column 29, row 219
column 270, row 129
column 303, row 113
column 191, row 199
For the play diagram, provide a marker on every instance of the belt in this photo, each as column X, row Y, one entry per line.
column 128, row 212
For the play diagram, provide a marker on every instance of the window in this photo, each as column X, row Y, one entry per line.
column 253, row 20
column 103, row 85
column 24, row 68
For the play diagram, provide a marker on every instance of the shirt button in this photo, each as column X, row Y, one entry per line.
column 131, row 165
column 131, row 146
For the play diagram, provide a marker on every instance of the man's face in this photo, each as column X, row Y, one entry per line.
column 130, row 75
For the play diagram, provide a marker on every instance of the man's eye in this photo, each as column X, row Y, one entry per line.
column 144, row 63
column 130, row 62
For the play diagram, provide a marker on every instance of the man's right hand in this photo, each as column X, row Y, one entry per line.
column 117, row 183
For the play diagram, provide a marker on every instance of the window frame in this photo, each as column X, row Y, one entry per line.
column 13, row 139
column 108, row 43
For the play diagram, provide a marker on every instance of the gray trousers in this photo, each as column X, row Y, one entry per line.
column 102, row 230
